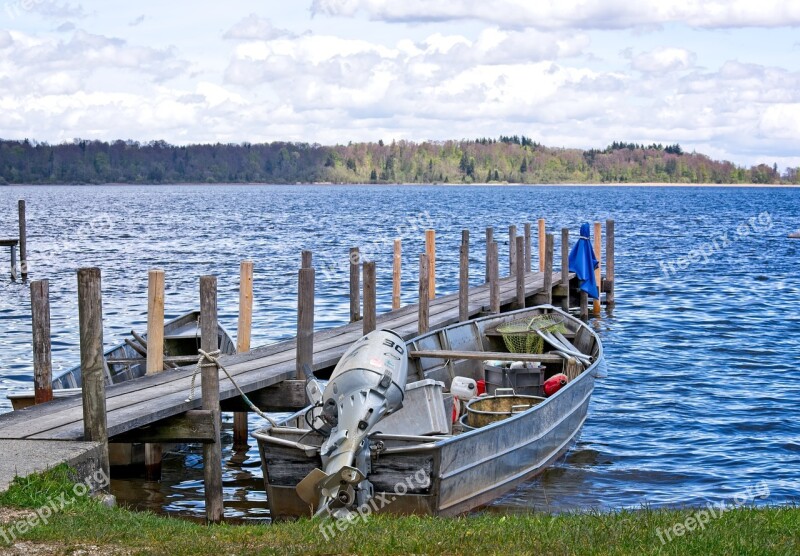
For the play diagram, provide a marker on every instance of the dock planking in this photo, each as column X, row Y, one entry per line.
column 134, row 404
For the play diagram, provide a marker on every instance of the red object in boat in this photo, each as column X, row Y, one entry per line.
column 481, row 387
column 554, row 384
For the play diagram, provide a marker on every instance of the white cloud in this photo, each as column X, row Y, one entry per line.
column 254, row 27
column 663, row 60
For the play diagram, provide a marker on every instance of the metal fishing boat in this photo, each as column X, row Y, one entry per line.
column 417, row 469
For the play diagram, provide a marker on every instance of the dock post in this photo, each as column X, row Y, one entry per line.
column 243, row 333
column 548, row 268
column 212, row 451
column 430, row 250
column 14, row 263
column 424, row 294
column 355, row 284
column 463, row 278
column 155, row 358
column 397, row 275
column 23, row 240
column 93, row 385
column 520, row 272
column 565, row 268
column 494, row 279
column 542, row 242
column 306, row 259
column 512, row 250
column 489, row 240
column 528, row 253
column 42, row 360
column 305, row 320
column 584, row 297
column 608, row 283
column 370, row 309
column 598, row 274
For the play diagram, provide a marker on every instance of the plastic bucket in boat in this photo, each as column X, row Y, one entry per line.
column 488, row 409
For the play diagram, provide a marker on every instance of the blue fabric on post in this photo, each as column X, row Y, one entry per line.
column 583, row 262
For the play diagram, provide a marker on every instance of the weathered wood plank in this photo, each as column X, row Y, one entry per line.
column 196, row 425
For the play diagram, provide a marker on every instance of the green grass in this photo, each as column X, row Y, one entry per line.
column 742, row 531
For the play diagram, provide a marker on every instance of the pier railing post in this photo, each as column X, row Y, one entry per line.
column 608, row 284
column 548, row 269
column 23, row 240
column 598, row 274
column 489, row 240
column 397, row 275
column 93, row 385
column 212, row 451
column 355, row 284
column 155, row 358
column 305, row 320
column 528, row 253
column 542, row 241
column 512, row 250
column 370, row 301
column 430, row 251
column 424, row 294
column 42, row 359
column 463, row 278
column 243, row 333
column 565, row 268
column 494, row 278
column 520, row 272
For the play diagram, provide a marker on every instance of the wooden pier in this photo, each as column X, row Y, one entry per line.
column 157, row 408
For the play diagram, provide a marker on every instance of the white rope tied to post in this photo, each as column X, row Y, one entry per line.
column 209, row 359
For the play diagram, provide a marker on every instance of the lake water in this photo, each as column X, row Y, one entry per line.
column 702, row 396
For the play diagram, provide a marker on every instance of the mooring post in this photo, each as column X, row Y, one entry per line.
column 565, row 268
column 584, row 297
column 520, row 272
column 528, row 254
column 243, row 333
column 512, row 250
column 608, row 283
column 355, row 284
column 430, row 250
column 548, row 268
column 306, row 259
column 424, row 294
column 14, row 263
column 463, row 278
column 598, row 274
column 305, row 320
column 212, row 451
column 93, row 385
column 23, row 240
column 489, row 240
column 397, row 275
column 42, row 359
column 494, row 278
column 155, row 358
column 370, row 301
column 542, row 241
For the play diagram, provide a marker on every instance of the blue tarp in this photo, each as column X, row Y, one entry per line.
column 583, row 262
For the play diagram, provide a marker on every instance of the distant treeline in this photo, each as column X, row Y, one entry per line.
column 514, row 159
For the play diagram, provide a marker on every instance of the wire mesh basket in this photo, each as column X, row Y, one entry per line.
column 521, row 335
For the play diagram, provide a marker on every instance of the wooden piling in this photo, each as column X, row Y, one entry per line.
column 42, row 359
column 520, row 272
column 598, row 232
column 542, row 243
column 584, row 297
column 306, row 259
column 243, row 334
column 528, row 254
column 155, row 358
column 512, row 250
column 14, row 263
column 305, row 320
column 424, row 294
column 93, row 385
column 489, row 240
column 397, row 275
column 370, row 301
column 430, row 250
column 548, row 268
column 608, row 283
column 23, row 240
column 463, row 278
column 355, row 284
column 565, row 268
column 212, row 451
column 494, row 278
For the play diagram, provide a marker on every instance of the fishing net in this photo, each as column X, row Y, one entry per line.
column 520, row 336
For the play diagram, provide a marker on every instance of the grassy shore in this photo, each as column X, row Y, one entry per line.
column 85, row 525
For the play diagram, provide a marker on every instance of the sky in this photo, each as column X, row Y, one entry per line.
column 719, row 77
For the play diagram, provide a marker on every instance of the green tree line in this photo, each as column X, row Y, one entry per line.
column 507, row 159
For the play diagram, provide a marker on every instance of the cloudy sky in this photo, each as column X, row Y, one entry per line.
column 719, row 77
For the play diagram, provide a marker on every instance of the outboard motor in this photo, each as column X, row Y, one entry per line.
column 367, row 384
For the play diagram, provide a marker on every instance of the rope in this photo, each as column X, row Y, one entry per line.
column 209, row 359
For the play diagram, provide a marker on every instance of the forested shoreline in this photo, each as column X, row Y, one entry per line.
column 507, row 159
